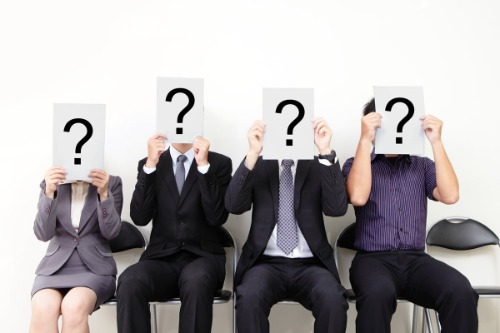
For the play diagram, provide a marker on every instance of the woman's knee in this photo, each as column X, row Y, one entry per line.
column 46, row 305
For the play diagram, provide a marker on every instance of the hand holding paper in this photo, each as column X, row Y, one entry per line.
column 322, row 135
column 255, row 137
column 53, row 177
column 201, row 147
column 156, row 146
column 100, row 179
column 432, row 127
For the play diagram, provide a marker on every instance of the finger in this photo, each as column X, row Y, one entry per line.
column 159, row 136
column 259, row 124
column 318, row 121
column 56, row 171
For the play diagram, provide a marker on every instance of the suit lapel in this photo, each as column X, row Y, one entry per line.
column 89, row 208
column 64, row 207
column 300, row 177
column 190, row 180
column 273, row 173
column 167, row 170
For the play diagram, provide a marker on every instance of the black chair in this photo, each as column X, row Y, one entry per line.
column 345, row 241
column 458, row 233
column 130, row 237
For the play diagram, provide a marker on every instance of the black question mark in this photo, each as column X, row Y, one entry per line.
column 402, row 122
column 189, row 106
column 86, row 138
column 300, row 116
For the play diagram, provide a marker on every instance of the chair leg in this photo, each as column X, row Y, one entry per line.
column 437, row 320
column 154, row 324
column 423, row 321
column 428, row 319
column 235, row 330
column 414, row 319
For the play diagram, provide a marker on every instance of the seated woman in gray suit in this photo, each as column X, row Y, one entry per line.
column 78, row 272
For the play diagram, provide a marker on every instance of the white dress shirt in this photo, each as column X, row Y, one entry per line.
column 79, row 191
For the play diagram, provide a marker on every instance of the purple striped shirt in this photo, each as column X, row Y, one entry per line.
column 395, row 216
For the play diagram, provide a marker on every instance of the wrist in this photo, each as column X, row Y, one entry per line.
column 103, row 196
column 325, row 151
column 150, row 163
column 251, row 160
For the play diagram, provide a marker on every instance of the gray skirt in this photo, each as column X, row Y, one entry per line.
column 74, row 273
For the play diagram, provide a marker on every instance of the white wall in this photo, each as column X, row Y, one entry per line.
column 112, row 51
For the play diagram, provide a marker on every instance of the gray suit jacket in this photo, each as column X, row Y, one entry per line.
column 100, row 222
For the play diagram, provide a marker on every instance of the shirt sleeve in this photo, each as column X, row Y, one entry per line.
column 204, row 169
column 148, row 170
column 346, row 168
column 430, row 178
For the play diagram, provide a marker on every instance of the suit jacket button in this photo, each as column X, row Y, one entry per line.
column 76, row 239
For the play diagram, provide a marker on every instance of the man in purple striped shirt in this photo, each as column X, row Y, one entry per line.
column 389, row 194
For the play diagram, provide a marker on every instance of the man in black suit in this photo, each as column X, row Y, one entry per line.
column 182, row 190
column 299, row 266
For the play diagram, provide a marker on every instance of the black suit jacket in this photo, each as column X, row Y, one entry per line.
column 189, row 221
column 318, row 189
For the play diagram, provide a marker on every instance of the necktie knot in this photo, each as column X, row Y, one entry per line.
column 181, row 159
column 287, row 163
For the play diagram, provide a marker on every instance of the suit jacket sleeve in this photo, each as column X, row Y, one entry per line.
column 239, row 194
column 45, row 220
column 143, row 206
column 213, row 186
column 109, row 211
column 333, row 197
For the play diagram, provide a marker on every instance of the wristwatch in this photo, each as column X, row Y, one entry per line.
column 332, row 157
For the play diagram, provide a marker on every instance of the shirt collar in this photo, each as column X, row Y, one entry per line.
column 174, row 153
column 294, row 162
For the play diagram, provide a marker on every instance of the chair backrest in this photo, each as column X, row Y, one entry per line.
column 466, row 245
column 346, row 238
column 460, row 233
column 130, row 237
column 228, row 241
column 344, row 252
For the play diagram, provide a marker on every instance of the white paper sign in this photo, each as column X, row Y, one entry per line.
column 401, row 129
column 288, row 115
column 78, row 136
column 179, row 111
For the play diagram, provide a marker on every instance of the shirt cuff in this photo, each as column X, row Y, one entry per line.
column 203, row 169
column 148, row 170
column 324, row 161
